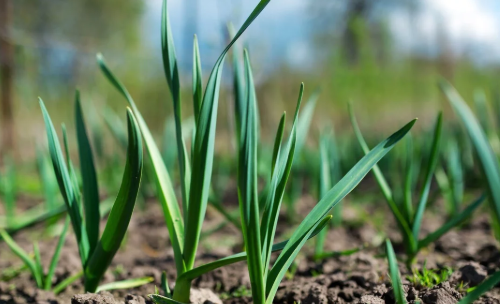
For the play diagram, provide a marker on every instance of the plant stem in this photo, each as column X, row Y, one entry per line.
column 182, row 291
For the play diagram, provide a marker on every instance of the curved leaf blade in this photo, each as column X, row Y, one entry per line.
column 331, row 198
column 120, row 214
column 89, row 178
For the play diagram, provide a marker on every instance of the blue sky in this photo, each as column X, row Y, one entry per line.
column 282, row 32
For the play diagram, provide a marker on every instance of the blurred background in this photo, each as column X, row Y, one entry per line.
column 385, row 56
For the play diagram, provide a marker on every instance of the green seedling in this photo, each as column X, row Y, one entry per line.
column 482, row 288
column 185, row 227
column 9, row 191
column 487, row 158
column 408, row 219
column 397, row 285
column 451, row 180
column 429, row 278
column 96, row 252
column 43, row 280
column 259, row 231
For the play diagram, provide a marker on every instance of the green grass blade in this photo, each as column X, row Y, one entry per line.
column 486, row 156
column 324, row 184
column 66, row 282
column 456, row 174
column 164, row 285
column 410, row 241
column 28, row 261
column 38, row 263
column 47, row 178
column 203, row 149
column 456, row 220
column 57, row 253
column 248, row 190
column 397, row 286
column 482, row 111
column 324, row 206
column 166, row 193
column 238, row 84
column 120, row 214
column 277, row 191
column 238, row 257
column 431, row 166
column 488, row 284
column 89, row 178
column 8, row 189
column 125, row 284
column 277, row 142
column 197, row 80
column 305, row 121
column 172, row 74
column 66, row 186
column 408, row 204
column 116, row 126
column 158, row 299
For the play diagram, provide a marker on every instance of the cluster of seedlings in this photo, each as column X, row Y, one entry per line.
column 260, row 195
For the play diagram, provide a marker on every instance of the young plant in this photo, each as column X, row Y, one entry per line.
column 451, row 180
column 397, row 285
column 429, row 278
column 487, row 158
column 408, row 219
column 185, row 227
column 95, row 253
column 43, row 280
column 259, row 231
column 9, row 191
column 482, row 288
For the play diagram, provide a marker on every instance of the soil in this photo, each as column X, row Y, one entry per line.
column 362, row 277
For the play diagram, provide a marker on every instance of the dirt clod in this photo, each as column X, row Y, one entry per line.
column 471, row 274
column 204, row 296
column 441, row 294
column 93, row 298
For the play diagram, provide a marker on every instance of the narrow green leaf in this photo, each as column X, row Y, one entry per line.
column 238, row 84
column 467, row 212
column 277, row 142
column 238, row 257
column 397, row 286
column 172, row 75
column 305, row 121
column 66, row 186
column 125, row 284
column 332, row 198
column 164, row 285
column 28, row 261
column 158, row 299
column 482, row 288
column 324, row 184
column 66, row 282
column 116, row 126
column 120, row 214
column 203, row 149
column 487, row 159
column 410, row 241
column 166, row 193
column 408, row 204
column 57, row 253
column 278, row 185
column 431, row 166
column 38, row 262
column 197, row 80
column 248, row 190
column 89, row 178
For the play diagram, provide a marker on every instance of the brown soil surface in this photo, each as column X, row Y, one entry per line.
column 470, row 251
